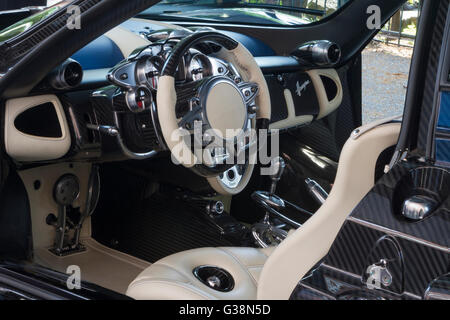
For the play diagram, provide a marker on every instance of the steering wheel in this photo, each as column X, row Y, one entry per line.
column 222, row 111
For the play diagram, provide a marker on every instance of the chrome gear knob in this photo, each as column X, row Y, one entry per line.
column 278, row 166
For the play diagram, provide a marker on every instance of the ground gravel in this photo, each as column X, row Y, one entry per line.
column 384, row 80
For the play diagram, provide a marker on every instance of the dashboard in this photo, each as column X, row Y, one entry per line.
column 131, row 57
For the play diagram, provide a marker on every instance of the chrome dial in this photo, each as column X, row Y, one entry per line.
column 148, row 71
column 199, row 67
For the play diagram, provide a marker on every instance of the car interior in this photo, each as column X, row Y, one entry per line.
column 95, row 178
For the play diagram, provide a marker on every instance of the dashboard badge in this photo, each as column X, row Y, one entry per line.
column 302, row 88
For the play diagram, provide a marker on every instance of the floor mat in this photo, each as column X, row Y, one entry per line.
column 98, row 264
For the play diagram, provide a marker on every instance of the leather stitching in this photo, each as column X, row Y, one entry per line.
column 241, row 264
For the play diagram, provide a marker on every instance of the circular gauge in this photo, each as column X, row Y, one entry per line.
column 149, row 70
column 139, row 99
column 199, row 67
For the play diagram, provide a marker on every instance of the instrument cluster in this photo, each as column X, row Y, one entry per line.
column 139, row 74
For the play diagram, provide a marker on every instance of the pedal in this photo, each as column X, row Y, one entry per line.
column 92, row 198
column 66, row 191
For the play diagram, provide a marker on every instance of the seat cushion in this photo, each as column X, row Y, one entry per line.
column 173, row 277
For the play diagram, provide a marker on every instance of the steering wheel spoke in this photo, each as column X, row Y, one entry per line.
column 194, row 114
column 247, row 140
column 214, row 155
column 250, row 91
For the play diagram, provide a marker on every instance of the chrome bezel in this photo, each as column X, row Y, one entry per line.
column 141, row 75
column 205, row 62
column 128, row 68
column 130, row 99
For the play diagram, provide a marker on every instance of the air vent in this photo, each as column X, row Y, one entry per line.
column 330, row 87
column 40, row 121
column 318, row 53
column 67, row 76
column 215, row 278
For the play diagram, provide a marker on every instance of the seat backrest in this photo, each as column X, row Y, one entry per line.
column 303, row 249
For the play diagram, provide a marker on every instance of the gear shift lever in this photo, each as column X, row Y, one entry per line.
column 269, row 198
column 265, row 233
column 278, row 165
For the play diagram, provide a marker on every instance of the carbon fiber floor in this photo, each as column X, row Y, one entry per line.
column 152, row 228
column 165, row 226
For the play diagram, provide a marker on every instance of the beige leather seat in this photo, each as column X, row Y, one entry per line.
column 173, row 277
column 274, row 274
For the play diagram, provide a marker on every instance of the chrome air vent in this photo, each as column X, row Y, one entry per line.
column 67, row 76
column 322, row 53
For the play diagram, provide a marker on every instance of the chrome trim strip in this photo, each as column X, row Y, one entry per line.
column 347, row 273
column 318, row 291
column 412, row 295
column 399, row 234
column 124, row 148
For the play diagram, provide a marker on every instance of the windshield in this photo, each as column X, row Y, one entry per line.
column 258, row 12
column 25, row 24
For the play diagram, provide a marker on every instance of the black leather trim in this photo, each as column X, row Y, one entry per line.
column 277, row 64
column 262, row 124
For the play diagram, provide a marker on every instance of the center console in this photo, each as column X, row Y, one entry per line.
column 281, row 215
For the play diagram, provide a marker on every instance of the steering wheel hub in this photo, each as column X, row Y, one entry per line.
column 224, row 107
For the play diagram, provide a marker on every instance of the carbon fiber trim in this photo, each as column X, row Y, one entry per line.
column 428, row 101
column 416, row 253
column 19, row 47
column 382, row 206
column 277, row 99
